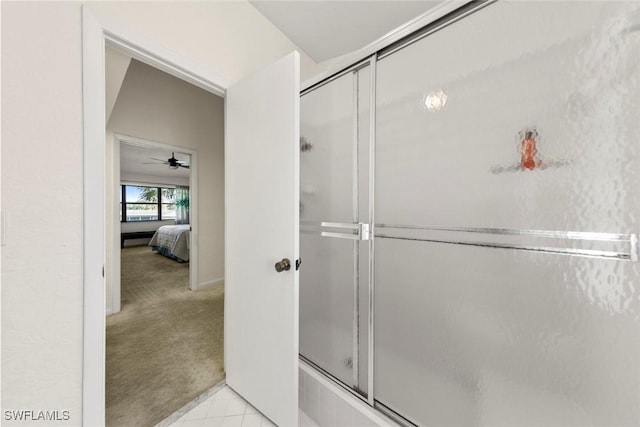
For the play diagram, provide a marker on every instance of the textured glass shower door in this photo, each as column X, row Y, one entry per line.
column 334, row 198
column 507, row 288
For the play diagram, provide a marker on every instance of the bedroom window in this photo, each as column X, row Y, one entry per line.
column 141, row 203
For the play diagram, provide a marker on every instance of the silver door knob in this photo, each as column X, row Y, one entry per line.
column 283, row 265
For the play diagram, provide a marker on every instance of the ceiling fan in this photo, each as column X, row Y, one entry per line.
column 172, row 162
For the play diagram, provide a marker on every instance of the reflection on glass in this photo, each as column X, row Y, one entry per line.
column 435, row 101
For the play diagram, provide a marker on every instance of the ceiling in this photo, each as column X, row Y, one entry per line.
column 138, row 161
column 327, row 29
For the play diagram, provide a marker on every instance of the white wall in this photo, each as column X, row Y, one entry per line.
column 116, row 65
column 42, row 193
column 42, row 171
column 222, row 35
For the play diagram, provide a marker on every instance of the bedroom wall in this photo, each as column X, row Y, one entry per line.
column 116, row 65
column 42, row 172
column 155, row 106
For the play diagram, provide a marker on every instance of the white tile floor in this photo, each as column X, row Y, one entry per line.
column 227, row 409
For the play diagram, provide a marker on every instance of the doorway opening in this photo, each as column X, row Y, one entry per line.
column 164, row 329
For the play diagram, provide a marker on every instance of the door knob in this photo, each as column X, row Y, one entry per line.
column 283, row 265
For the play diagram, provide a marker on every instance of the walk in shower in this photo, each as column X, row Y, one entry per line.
column 470, row 203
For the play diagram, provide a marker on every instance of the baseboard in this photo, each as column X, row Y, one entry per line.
column 203, row 285
column 111, row 311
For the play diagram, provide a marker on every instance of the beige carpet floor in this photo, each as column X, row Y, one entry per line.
column 165, row 347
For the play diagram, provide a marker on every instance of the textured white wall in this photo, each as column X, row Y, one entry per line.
column 42, row 193
column 42, row 171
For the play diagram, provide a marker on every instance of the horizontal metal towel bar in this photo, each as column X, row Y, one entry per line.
column 586, row 244
column 559, row 251
column 582, row 235
column 618, row 246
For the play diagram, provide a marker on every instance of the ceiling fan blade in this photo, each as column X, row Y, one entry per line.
column 171, row 162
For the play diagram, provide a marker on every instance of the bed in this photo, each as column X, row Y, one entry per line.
column 172, row 241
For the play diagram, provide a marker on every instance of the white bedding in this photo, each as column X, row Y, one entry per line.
column 174, row 238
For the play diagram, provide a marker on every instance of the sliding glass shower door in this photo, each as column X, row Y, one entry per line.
column 493, row 160
column 507, row 171
column 334, row 203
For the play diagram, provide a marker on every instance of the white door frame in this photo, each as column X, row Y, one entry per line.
column 98, row 31
column 114, row 268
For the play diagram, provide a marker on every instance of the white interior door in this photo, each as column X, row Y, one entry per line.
column 262, row 214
